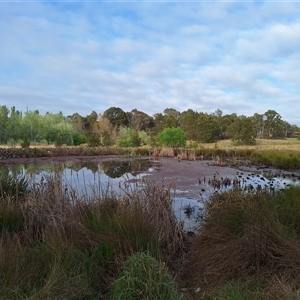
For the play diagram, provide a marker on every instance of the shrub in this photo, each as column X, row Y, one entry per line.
column 144, row 277
column 79, row 139
column 58, row 141
column 172, row 137
column 93, row 140
column 128, row 137
column 25, row 143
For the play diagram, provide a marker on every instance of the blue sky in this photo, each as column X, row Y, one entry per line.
column 241, row 57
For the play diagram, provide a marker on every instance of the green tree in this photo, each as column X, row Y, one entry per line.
column 273, row 123
column 259, row 123
column 187, row 122
column 172, row 137
column 242, row 131
column 14, row 125
column 128, row 137
column 4, row 111
column 33, row 126
column 207, row 128
column 93, row 139
column 116, row 116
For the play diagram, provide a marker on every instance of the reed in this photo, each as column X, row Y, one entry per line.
column 54, row 244
column 247, row 237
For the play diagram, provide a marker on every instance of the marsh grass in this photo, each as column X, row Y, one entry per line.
column 144, row 277
column 285, row 160
column 13, row 186
column 250, row 237
column 55, row 246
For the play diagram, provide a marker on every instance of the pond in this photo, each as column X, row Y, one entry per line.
column 194, row 181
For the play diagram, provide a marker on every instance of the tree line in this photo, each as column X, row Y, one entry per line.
column 135, row 128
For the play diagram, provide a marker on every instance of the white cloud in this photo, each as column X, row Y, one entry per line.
column 78, row 57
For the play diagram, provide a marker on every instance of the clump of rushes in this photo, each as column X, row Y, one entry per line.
column 12, row 186
column 144, row 277
column 61, row 247
column 253, row 238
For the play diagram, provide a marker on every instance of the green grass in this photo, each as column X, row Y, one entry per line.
column 144, row 277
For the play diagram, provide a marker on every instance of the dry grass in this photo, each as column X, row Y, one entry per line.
column 66, row 247
column 247, row 238
column 261, row 144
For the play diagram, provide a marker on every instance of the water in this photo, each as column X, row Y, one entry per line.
column 115, row 177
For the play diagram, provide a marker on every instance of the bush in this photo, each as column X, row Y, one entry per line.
column 172, row 137
column 93, row 140
column 144, row 277
column 25, row 143
column 79, row 139
column 128, row 137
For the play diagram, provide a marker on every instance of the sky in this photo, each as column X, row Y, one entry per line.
column 240, row 57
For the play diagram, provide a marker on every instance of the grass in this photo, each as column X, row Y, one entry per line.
column 53, row 247
column 246, row 241
column 144, row 277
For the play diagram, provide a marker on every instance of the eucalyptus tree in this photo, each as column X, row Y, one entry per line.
column 273, row 123
column 259, row 124
column 4, row 111
column 242, row 131
column 117, row 116
column 207, row 128
column 33, row 126
column 140, row 120
column 14, row 125
column 187, row 122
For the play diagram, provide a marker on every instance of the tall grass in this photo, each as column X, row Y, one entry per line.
column 248, row 238
column 54, row 246
column 285, row 160
column 12, row 186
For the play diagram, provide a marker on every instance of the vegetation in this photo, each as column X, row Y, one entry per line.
column 109, row 128
column 55, row 245
column 144, row 277
column 172, row 137
column 248, row 247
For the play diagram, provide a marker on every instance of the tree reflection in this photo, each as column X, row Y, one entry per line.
column 115, row 169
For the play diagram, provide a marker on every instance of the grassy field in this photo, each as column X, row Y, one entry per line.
column 261, row 144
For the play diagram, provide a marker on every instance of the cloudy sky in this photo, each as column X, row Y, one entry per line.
column 241, row 57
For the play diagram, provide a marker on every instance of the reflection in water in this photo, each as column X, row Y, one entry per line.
column 87, row 177
column 115, row 177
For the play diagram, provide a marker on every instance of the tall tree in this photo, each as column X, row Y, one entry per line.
column 242, row 131
column 187, row 121
column 272, row 122
column 116, row 116
column 14, row 125
column 4, row 111
column 140, row 120
column 207, row 128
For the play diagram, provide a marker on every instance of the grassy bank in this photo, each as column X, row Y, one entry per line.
column 278, row 153
column 54, row 245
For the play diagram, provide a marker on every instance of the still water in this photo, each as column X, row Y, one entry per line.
column 115, row 177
